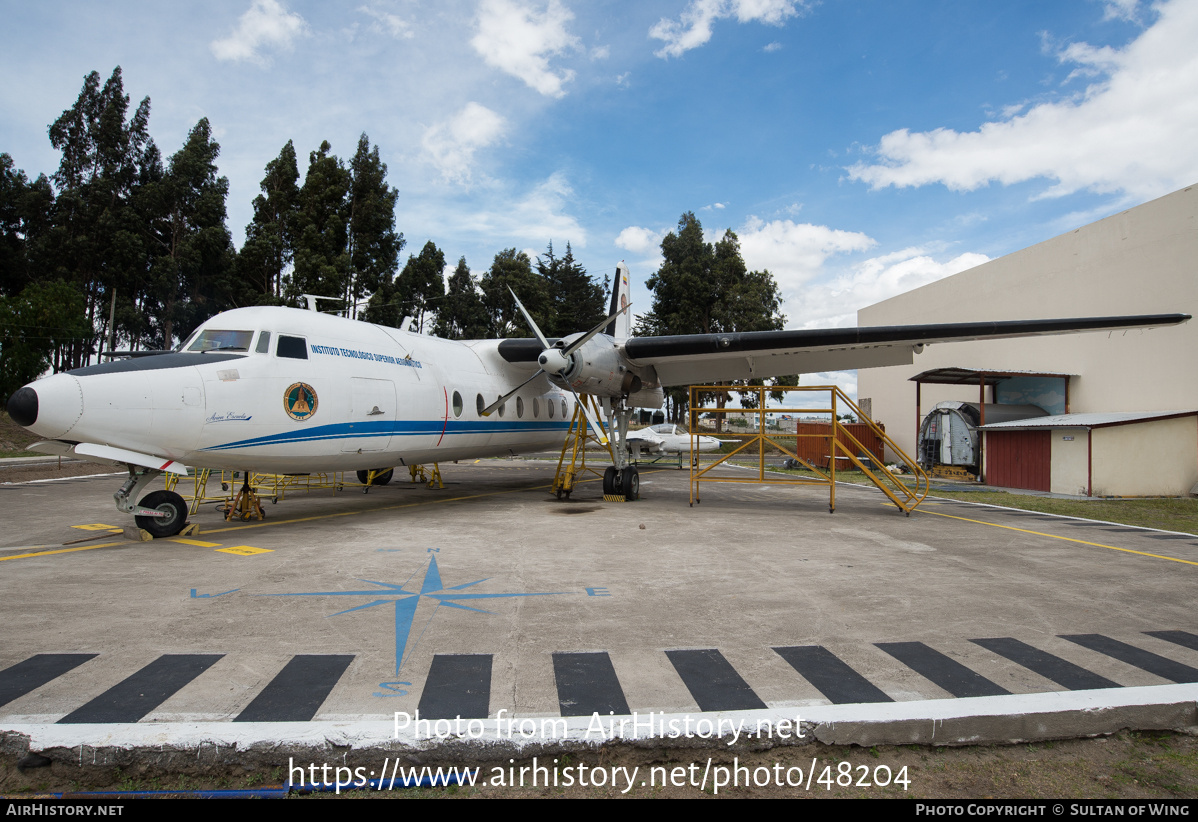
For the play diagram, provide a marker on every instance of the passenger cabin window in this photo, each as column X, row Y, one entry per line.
column 563, row 408
column 519, row 407
column 214, row 339
column 457, row 404
column 479, row 404
column 536, row 407
column 292, row 347
column 549, row 408
column 263, row 346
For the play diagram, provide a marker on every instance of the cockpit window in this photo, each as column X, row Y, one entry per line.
column 214, row 339
column 263, row 346
column 183, row 345
column 294, row 347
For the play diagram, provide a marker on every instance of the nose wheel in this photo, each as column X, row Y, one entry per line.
column 168, row 517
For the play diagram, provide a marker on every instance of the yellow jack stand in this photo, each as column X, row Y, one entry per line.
column 432, row 480
column 245, row 505
column 576, row 441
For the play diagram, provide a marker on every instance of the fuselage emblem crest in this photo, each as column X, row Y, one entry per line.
column 299, row 401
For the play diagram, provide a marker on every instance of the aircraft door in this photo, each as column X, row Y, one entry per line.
column 371, row 415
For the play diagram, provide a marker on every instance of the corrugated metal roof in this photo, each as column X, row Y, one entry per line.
column 1089, row 420
column 971, row 376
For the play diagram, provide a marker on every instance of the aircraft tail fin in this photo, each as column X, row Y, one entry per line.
column 621, row 295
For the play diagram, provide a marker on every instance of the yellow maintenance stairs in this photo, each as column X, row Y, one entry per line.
column 835, row 443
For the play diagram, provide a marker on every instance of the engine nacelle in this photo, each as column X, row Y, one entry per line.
column 600, row 369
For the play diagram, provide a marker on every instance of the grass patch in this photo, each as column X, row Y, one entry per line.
column 1169, row 514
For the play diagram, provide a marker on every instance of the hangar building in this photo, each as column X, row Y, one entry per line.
column 1122, row 408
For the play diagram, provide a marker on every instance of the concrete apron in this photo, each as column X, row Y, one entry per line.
column 748, row 571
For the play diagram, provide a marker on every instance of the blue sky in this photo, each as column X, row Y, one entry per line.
column 858, row 149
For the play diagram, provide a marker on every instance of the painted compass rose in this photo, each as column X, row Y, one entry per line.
column 406, row 600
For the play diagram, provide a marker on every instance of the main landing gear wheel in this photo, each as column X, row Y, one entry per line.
column 172, row 506
column 630, row 482
column 380, row 478
column 611, row 480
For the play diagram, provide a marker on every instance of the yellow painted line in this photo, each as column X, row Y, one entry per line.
column 245, row 550
column 197, row 542
column 65, row 550
column 307, row 519
column 1056, row 536
column 97, row 526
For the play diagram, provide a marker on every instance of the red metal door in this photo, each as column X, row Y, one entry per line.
column 1019, row 459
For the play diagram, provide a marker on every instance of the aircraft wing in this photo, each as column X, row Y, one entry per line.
column 700, row 358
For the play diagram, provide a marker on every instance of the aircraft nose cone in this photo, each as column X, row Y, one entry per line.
column 49, row 407
column 22, row 406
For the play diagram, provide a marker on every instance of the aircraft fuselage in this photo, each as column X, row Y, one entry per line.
column 320, row 393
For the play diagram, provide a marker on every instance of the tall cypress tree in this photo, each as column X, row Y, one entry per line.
column 320, row 237
column 461, row 315
column 373, row 245
column 96, row 237
column 191, row 252
column 268, row 250
column 512, row 269
column 577, row 302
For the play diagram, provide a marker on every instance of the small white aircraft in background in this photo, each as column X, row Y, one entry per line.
column 283, row 390
column 665, row 438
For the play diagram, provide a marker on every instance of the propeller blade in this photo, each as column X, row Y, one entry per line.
column 595, row 426
column 528, row 319
column 491, row 408
column 581, row 341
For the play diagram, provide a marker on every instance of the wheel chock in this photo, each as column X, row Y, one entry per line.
column 189, row 530
column 137, row 534
column 614, row 498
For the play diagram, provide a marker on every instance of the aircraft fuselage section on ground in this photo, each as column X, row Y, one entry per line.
column 284, row 390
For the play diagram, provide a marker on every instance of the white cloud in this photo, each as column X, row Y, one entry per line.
column 451, row 144
column 694, row 27
column 795, row 252
column 1132, row 132
column 639, row 240
column 390, row 23
column 516, row 39
column 834, row 303
column 267, row 25
column 600, row 52
column 1122, row 10
column 769, row 47
column 537, row 216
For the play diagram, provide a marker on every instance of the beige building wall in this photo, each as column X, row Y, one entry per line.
column 1070, row 461
column 1140, row 261
column 1146, row 459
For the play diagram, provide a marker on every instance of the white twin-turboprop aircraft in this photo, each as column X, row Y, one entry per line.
column 284, row 390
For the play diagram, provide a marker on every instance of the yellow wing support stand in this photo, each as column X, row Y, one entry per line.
column 577, row 439
column 832, row 443
column 432, row 479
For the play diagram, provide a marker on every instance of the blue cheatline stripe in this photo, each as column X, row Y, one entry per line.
column 400, row 428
